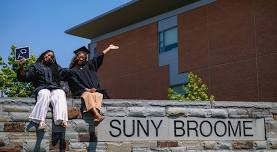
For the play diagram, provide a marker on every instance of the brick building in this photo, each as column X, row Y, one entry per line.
column 230, row 44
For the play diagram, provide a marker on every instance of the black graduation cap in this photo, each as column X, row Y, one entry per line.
column 82, row 49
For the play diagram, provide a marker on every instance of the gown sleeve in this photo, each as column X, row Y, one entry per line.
column 76, row 87
column 64, row 73
column 96, row 62
column 28, row 75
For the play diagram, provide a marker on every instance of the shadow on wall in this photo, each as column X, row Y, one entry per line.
column 59, row 140
column 39, row 134
column 92, row 136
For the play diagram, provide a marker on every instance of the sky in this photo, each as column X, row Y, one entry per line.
column 41, row 24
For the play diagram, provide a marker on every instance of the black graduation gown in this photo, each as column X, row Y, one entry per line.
column 86, row 77
column 41, row 76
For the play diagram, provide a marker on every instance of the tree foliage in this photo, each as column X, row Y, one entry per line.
column 9, row 84
column 195, row 90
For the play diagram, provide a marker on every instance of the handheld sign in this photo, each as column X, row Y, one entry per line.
column 21, row 53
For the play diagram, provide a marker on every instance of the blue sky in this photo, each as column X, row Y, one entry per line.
column 41, row 24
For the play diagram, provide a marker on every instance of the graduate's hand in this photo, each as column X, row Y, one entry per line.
column 21, row 62
column 92, row 90
column 113, row 47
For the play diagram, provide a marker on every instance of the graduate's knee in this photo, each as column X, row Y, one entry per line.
column 44, row 93
column 58, row 92
column 99, row 95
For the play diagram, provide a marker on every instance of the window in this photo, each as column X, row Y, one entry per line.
column 168, row 39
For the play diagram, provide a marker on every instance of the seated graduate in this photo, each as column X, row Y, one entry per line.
column 45, row 75
column 84, row 82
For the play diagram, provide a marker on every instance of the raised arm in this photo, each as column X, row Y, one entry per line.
column 111, row 47
column 97, row 61
column 25, row 75
column 20, row 70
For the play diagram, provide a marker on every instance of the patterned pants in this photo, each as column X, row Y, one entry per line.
column 57, row 98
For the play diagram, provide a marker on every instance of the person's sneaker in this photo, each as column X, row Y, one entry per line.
column 41, row 125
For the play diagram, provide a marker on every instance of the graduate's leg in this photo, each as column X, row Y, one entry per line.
column 40, row 110
column 98, row 102
column 89, row 99
column 58, row 101
column 97, row 99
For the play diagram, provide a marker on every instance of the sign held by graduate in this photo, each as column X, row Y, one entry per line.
column 22, row 53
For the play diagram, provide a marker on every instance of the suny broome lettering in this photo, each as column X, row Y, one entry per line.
column 193, row 128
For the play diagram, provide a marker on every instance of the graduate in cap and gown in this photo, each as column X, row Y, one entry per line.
column 45, row 75
column 84, row 83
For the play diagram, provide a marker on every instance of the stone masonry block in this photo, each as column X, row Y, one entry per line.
column 158, row 149
column 123, row 103
column 162, row 144
column 238, row 113
column 71, row 136
column 79, row 125
column 2, row 126
column 148, row 144
column 273, row 143
column 258, row 113
column 140, row 149
column 189, row 112
column 271, row 129
column 219, row 113
column 191, row 145
column 146, row 111
column 77, row 145
column 36, row 145
column 49, row 115
column 16, row 108
column 203, row 113
column 118, row 147
column 260, row 144
column 210, row 145
column 87, row 137
column 96, row 146
column 14, row 127
column 273, row 111
column 4, row 117
column 243, row 145
column 19, row 116
column 11, row 148
column 116, row 111
column 178, row 149
column 176, row 112
column 4, row 140
column 224, row 145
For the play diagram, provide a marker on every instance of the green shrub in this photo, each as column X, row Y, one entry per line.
column 9, row 84
column 194, row 90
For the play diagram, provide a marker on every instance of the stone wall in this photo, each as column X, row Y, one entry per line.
column 18, row 134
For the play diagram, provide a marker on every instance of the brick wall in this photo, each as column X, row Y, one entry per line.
column 132, row 71
column 17, row 133
column 232, row 46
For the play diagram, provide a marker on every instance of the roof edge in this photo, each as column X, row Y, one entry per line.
column 99, row 16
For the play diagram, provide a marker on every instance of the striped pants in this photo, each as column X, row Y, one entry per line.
column 57, row 98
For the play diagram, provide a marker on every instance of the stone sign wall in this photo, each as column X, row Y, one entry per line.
column 144, row 125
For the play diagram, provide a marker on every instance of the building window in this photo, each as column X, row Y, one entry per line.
column 168, row 39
